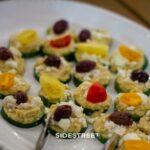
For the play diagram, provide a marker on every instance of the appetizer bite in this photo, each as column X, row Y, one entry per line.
column 60, row 41
column 55, row 66
column 11, row 84
column 22, row 110
column 108, row 125
column 97, row 35
column 27, row 42
column 134, row 141
column 137, row 104
column 144, row 123
column 92, row 97
column 52, row 90
column 11, row 60
column 66, row 117
column 92, row 51
column 128, row 58
column 132, row 81
column 88, row 70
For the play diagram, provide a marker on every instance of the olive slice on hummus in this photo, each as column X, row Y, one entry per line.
column 55, row 66
column 88, row 70
column 108, row 125
column 11, row 60
column 22, row 110
column 66, row 117
column 132, row 81
column 92, row 97
column 60, row 40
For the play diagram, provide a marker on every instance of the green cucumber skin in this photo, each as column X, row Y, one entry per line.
column 117, row 87
column 53, row 132
column 76, row 81
column 135, row 117
column 46, row 102
column 30, row 55
column 18, row 124
column 36, row 76
column 147, row 92
column 102, row 139
column 2, row 96
column 145, row 63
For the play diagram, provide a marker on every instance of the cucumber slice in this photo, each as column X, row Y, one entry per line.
column 31, row 54
column 147, row 92
column 117, row 87
column 101, row 138
column 76, row 81
column 36, row 76
column 46, row 101
column 136, row 117
column 145, row 63
column 70, row 56
column 18, row 124
column 53, row 132
column 2, row 96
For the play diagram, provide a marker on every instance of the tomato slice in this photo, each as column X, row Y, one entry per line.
column 61, row 42
column 96, row 93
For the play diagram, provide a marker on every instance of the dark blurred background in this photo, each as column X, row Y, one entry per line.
column 136, row 10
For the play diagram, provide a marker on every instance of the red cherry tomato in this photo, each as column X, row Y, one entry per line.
column 96, row 93
column 61, row 42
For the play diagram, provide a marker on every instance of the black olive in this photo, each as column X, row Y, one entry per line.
column 60, row 26
column 53, row 61
column 21, row 97
column 85, row 66
column 63, row 111
column 84, row 35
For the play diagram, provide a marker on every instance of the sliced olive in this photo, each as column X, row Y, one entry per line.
column 5, row 53
column 85, row 66
column 121, row 118
column 60, row 26
column 21, row 97
column 84, row 35
column 63, row 111
column 53, row 61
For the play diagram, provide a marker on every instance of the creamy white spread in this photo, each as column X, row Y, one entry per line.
column 10, row 103
column 114, row 128
column 11, row 63
column 77, row 113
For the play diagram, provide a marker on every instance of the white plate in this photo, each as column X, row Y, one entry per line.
column 16, row 15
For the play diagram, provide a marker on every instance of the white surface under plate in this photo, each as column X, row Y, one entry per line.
column 16, row 15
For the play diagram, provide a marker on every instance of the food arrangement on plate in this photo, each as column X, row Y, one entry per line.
column 83, row 58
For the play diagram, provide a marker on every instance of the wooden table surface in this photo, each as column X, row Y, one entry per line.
column 136, row 10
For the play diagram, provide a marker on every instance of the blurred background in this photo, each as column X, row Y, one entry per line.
column 136, row 10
